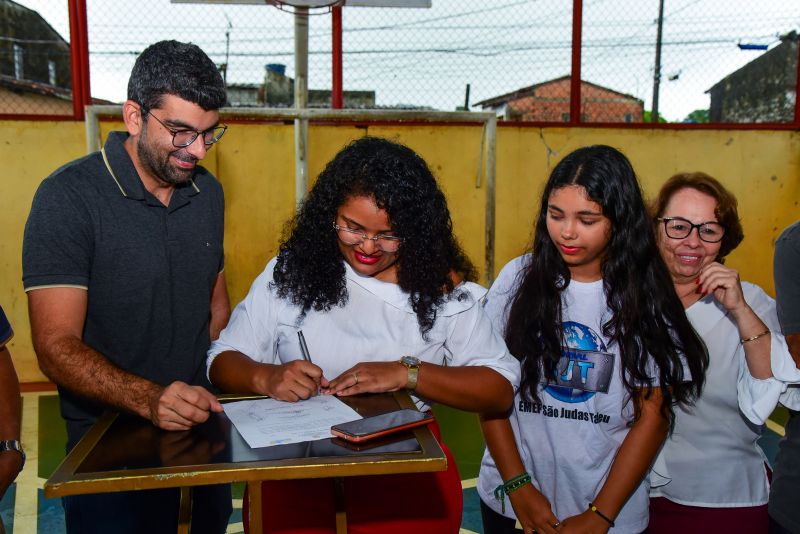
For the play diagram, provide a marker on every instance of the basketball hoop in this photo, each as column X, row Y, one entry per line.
column 310, row 7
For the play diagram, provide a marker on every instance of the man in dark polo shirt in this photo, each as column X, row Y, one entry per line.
column 12, row 457
column 784, row 495
column 123, row 268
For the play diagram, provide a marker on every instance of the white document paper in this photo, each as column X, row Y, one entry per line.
column 267, row 422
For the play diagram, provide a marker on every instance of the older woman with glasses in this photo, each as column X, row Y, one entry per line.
column 372, row 274
column 711, row 475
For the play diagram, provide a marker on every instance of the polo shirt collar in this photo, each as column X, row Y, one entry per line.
column 124, row 173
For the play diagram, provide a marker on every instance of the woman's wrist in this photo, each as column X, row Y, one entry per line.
column 606, row 520
column 744, row 314
column 260, row 379
column 510, row 486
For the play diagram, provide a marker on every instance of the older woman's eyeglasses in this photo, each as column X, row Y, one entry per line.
column 348, row 236
column 184, row 137
column 680, row 228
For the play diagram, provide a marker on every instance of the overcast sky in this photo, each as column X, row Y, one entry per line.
column 428, row 56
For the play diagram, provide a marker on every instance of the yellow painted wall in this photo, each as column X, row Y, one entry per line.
column 255, row 164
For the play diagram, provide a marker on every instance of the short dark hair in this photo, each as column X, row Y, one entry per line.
column 726, row 210
column 175, row 68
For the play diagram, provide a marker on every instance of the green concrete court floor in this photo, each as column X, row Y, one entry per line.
column 24, row 509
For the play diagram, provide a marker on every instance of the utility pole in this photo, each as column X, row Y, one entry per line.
column 227, row 50
column 657, row 72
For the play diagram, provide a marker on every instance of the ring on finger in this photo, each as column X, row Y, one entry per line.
column 355, row 375
column 557, row 524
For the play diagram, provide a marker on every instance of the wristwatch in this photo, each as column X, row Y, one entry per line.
column 13, row 445
column 412, row 364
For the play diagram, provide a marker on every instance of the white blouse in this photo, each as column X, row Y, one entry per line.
column 376, row 324
column 712, row 459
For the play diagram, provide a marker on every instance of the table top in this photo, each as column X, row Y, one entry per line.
column 122, row 452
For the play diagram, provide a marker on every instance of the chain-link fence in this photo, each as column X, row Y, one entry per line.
column 712, row 60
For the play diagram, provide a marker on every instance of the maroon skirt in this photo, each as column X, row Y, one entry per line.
column 422, row 503
column 668, row 517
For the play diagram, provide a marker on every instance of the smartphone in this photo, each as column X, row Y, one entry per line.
column 380, row 425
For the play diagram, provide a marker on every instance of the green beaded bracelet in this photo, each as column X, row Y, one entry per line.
column 510, row 486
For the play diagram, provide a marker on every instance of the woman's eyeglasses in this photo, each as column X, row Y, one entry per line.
column 680, row 228
column 348, row 236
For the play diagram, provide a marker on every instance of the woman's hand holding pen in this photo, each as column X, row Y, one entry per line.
column 293, row 381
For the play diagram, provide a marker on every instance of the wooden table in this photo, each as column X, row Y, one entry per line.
column 124, row 453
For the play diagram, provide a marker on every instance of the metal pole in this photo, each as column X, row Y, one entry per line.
column 797, row 85
column 575, row 78
column 491, row 179
column 92, row 125
column 79, row 52
column 337, row 93
column 301, row 102
column 657, row 72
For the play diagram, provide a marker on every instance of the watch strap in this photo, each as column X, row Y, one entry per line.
column 412, row 366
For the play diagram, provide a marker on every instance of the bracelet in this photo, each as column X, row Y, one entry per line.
column 510, row 486
column 594, row 509
column 749, row 339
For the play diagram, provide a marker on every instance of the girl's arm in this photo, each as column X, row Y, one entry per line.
column 472, row 388
column 531, row 507
column 633, row 459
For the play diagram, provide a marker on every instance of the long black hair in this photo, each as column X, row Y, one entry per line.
column 310, row 271
column 647, row 318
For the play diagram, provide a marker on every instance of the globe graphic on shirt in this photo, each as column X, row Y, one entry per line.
column 576, row 336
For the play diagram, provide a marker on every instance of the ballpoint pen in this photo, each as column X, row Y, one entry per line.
column 304, row 350
column 303, row 346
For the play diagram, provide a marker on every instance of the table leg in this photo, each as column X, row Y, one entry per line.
column 185, row 511
column 339, row 505
column 256, row 520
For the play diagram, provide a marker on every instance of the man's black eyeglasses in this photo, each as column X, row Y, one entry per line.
column 184, row 137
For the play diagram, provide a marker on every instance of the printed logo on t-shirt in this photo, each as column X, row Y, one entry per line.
column 585, row 367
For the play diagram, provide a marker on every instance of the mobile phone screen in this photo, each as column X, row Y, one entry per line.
column 380, row 425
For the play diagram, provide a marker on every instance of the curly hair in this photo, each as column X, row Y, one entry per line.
column 647, row 321
column 726, row 209
column 175, row 68
column 399, row 182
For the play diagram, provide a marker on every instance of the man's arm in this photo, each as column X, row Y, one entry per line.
column 57, row 316
column 220, row 307
column 10, row 420
column 786, row 264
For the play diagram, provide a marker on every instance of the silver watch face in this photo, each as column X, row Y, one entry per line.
column 412, row 361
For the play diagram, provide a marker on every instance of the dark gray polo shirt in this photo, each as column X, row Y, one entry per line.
column 149, row 269
column 785, row 491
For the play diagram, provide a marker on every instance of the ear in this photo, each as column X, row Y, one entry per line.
column 132, row 116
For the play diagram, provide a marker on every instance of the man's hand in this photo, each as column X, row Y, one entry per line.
column 180, row 406
column 10, row 466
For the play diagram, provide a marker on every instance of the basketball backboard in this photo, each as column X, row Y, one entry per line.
column 317, row 3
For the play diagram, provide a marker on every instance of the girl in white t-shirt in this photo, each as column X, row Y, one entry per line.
column 606, row 352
